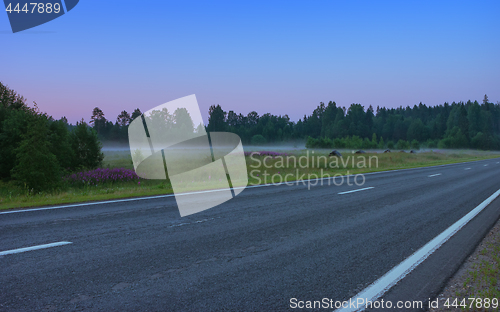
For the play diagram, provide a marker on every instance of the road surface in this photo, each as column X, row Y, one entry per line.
column 253, row 253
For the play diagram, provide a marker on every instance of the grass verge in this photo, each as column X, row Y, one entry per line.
column 289, row 166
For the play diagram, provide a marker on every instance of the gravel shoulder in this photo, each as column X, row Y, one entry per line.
column 477, row 278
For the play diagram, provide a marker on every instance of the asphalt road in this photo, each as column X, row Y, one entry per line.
column 252, row 253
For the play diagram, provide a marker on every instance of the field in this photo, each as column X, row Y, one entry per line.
column 278, row 165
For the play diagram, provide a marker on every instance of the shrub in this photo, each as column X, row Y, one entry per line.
column 431, row 143
column 415, row 144
column 402, row 145
column 101, row 176
column 339, row 143
column 381, row 144
column 258, row 140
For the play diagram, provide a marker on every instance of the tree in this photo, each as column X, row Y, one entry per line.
column 485, row 99
column 232, row 119
column 86, row 147
column 182, row 121
column 36, row 166
column 253, row 118
column 60, row 145
column 11, row 130
column 9, row 99
column 97, row 120
column 123, row 119
column 416, row 130
column 136, row 113
column 216, row 118
column 13, row 113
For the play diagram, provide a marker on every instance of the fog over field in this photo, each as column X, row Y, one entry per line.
column 298, row 146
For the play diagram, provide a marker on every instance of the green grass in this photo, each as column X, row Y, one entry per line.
column 482, row 281
column 12, row 196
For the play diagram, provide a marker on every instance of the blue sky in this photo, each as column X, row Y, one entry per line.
column 278, row 57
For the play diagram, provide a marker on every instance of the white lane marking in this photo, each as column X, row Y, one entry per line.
column 383, row 284
column 363, row 189
column 19, row 250
column 209, row 191
column 434, row 175
column 467, row 169
column 486, row 165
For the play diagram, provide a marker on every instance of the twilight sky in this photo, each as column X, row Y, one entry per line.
column 278, row 57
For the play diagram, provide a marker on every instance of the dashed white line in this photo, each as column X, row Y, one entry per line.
column 383, row 284
column 434, row 175
column 467, row 169
column 19, row 250
column 486, row 165
column 363, row 189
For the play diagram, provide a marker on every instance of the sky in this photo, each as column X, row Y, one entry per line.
column 279, row 57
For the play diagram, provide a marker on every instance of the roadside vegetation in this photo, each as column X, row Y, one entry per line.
column 115, row 178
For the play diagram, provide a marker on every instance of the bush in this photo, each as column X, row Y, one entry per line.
column 454, row 139
column 402, row 145
column 258, row 140
column 390, row 145
column 431, row 143
column 339, row 143
column 367, row 144
column 101, row 176
column 381, row 144
column 484, row 142
column 415, row 144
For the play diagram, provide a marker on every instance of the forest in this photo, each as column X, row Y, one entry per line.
column 455, row 125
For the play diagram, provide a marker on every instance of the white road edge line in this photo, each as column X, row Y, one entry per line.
column 363, row 189
column 434, row 175
column 19, row 250
column 383, row 284
column 218, row 190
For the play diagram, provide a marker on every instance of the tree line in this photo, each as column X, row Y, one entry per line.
column 456, row 125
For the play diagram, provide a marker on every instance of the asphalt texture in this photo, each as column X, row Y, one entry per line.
column 253, row 253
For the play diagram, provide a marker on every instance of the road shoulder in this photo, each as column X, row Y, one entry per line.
column 478, row 277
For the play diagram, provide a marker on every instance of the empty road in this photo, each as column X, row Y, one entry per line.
column 253, row 253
